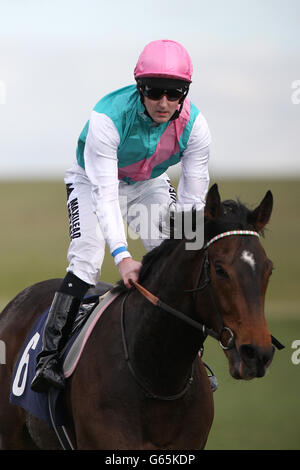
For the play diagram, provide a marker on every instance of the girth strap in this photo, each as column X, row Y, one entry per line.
column 60, row 431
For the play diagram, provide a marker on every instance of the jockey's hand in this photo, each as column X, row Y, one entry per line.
column 129, row 269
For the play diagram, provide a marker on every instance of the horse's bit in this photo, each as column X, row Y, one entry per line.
column 204, row 270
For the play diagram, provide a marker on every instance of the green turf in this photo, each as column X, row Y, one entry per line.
column 261, row 414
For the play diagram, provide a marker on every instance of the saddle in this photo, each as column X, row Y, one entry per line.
column 90, row 301
column 88, row 316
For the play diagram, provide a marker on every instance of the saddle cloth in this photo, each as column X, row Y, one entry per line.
column 24, row 370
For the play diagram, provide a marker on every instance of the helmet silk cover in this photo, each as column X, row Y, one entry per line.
column 164, row 58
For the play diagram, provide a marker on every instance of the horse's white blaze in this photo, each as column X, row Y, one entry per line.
column 248, row 258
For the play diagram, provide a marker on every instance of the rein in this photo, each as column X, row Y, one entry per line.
column 158, row 303
column 182, row 316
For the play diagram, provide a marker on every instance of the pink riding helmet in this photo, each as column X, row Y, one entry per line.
column 164, row 58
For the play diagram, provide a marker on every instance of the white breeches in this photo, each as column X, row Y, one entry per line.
column 142, row 205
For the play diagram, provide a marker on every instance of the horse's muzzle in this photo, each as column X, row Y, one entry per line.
column 251, row 361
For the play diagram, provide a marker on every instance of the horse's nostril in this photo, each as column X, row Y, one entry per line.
column 248, row 352
column 251, row 354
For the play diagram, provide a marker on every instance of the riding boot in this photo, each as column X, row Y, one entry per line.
column 60, row 319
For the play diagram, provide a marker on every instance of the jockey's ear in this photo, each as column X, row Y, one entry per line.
column 260, row 216
column 213, row 206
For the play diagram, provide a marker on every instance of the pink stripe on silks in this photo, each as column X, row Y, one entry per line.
column 69, row 372
column 167, row 145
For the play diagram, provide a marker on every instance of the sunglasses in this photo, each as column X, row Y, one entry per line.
column 156, row 94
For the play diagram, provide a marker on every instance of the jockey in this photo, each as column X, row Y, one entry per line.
column 134, row 134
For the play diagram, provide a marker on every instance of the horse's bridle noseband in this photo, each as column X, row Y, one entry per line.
column 205, row 273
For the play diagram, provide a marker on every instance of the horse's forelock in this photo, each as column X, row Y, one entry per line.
column 236, row 212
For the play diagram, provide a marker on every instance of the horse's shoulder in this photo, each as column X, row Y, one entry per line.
column 30, row 302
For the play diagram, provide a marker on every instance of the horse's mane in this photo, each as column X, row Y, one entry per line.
column 158, row 254
column 234, row 217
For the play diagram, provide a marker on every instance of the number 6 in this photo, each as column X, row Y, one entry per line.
column 16, row 388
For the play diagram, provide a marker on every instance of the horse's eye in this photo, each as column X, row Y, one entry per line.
column 221, row 271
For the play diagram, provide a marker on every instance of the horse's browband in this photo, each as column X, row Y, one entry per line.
column 230, row 232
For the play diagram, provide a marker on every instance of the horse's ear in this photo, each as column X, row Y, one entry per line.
column 260, row 216
column 213, row 206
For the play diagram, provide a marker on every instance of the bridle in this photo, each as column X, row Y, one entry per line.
column 218, row 335
column 207, row 284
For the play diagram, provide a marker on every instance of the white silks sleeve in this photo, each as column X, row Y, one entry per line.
column 194, row 179
column 101, row 166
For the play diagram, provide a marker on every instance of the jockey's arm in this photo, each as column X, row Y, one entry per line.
column 101, row 165
column 194, row 180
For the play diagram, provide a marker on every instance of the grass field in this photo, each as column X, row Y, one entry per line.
column 261, row 414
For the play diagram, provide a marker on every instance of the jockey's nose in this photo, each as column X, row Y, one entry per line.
column 163, row 101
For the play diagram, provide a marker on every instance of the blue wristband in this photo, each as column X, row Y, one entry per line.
column 119, row 250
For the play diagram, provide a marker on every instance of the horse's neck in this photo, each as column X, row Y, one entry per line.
column 162, row 347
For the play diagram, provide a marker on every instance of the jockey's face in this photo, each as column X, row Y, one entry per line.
column 160, row 110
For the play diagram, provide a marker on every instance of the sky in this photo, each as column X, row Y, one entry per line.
column 59, row 57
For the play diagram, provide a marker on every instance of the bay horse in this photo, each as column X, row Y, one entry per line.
column 140, row 383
